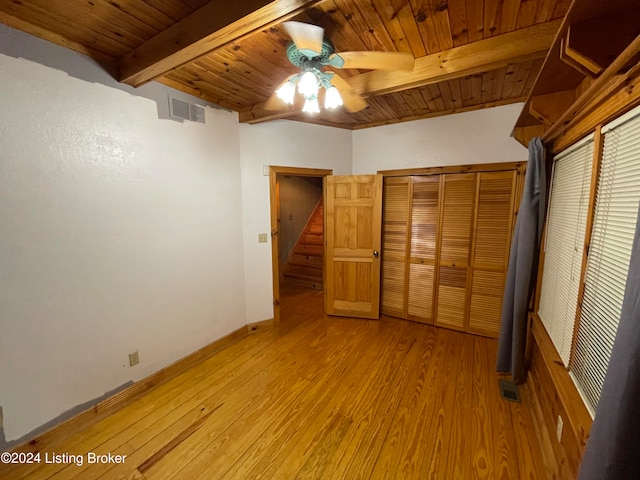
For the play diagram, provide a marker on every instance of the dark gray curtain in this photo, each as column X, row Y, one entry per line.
column 613, row 449
column 523, row 262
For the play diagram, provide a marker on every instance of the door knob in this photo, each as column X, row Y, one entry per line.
column 376, row 254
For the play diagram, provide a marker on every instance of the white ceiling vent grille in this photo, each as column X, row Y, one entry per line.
column 181, row 110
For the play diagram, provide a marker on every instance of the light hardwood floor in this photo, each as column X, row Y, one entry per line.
column 320, row 398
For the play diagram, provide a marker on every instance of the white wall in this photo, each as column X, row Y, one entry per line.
column 480, row 136
column 118, row 232
column 281, row 143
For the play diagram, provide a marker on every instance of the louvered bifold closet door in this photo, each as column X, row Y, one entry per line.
column 614, row 224
column 457, row 210
column 424, row 236
column 395, row 221
column 490, row 254
column 564, row 244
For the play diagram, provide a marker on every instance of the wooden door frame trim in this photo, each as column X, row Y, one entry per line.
column 474, row 168
column 274, row 171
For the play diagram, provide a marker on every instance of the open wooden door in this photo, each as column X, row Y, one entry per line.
column 353, row 214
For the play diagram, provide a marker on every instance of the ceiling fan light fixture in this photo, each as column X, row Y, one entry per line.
column 286, row 92
column 332, row 98
column 308, row 84
column 311, row 105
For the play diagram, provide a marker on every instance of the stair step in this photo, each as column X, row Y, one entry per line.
column 313, row 238
column 305, row 263
column 312, row 250
column 306, row 260
column 304, row 282
column 303, row 270
column 303, row 276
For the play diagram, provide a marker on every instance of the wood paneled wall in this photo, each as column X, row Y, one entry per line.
column 446, row 238
column 554, row 396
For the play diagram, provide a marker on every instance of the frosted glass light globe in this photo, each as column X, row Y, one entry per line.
column 308, row 85
column 286, row 92
column 311, row 105
column 332, row 98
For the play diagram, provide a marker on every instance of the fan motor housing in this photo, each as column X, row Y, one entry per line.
column 301, row 60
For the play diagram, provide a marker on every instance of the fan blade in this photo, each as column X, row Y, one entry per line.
column 352, row 101
column 273, row 102
column 373, row 60
column 306, row 37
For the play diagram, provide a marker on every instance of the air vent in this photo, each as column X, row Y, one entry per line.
column 509, row 391
column 181, row 110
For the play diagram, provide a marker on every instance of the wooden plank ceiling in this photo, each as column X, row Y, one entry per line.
column 469, row 54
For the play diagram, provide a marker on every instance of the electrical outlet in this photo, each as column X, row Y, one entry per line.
column 262, row 238
column 134, row 358
column 559, row 427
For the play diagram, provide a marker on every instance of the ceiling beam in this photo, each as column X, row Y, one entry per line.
column 422, row 116
column 477, row 57
column 258, row 114
column 212, row 26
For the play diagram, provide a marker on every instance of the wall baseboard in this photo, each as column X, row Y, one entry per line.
column 261, row 326
column 116, row 402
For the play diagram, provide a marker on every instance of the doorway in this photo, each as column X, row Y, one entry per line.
column 284, row 229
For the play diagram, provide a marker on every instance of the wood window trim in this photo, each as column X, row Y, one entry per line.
column 578, row 417
column 613, row 102
column 598, row 146
column 569, row 204
column 551, row 355
column 592, row 93
column 619, row 102
column 598, row 140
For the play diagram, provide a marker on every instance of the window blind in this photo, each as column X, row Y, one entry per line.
column 564, row 243
column 614, row 224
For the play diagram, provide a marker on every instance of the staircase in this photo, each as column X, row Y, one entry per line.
column 304, row 266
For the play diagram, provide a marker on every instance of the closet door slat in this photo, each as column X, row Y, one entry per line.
column 395, row 220
column 457, row 210
column 490, row 256
column 425, row 202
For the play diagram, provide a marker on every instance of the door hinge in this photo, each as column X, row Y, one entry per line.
column 274, row 233
column 276, row 302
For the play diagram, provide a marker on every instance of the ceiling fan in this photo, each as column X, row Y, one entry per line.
column 311, row 52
